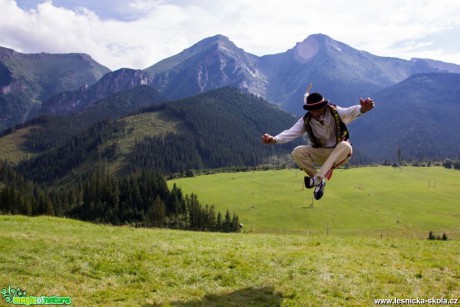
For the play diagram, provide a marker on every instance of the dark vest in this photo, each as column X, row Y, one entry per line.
column 341, row 131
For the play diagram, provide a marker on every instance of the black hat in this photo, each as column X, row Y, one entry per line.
column 314, row 101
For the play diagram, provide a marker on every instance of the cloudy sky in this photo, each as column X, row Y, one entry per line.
column 139, row 33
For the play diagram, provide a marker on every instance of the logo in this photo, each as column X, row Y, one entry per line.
column 17, row 296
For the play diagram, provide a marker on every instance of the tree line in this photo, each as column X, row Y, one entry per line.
column 141, row 198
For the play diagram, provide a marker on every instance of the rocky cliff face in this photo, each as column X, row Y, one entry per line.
column 110, row 84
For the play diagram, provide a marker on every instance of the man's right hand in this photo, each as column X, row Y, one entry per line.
column 268, row 139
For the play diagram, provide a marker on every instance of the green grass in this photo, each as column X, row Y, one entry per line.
column 121, row 266
column 374, row 201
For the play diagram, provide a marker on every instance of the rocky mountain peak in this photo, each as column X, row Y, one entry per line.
column 211, row 63
column 216, row 40
column 307, row 49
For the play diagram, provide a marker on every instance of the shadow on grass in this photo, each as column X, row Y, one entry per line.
column 265, row 296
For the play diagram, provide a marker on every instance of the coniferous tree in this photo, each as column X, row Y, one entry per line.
column 211, row 218
column 235, row 223
column 157, row 213
column 6, row 199
column 2, row 209
column 227, row 223
column 219, row 223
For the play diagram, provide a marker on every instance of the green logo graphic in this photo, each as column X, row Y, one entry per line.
column 10, row 293
column 17, row 296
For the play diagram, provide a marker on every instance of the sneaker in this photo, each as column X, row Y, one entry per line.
column 311, row 182
column 319, row 189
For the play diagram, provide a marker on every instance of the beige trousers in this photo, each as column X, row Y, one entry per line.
column 330, row 158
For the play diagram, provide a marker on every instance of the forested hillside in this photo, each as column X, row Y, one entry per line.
column 221, row 128
column 224, row 129
column 218, row 129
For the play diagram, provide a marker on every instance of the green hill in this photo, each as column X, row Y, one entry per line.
column 98, row 265
column 221, row 128
column 375, row 201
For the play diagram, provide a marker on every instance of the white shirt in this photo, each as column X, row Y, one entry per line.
column 324, row 132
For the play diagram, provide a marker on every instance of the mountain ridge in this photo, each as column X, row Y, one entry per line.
column 336, row 69
column 332, row 66
column 26, row 80
column 341, row 73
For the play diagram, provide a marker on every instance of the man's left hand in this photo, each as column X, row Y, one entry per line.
column 366, row 104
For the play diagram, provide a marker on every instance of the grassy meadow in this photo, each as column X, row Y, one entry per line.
column 365, row 240
column 98, row 265
column 369, row 201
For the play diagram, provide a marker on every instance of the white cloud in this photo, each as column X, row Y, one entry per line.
column 139, row 33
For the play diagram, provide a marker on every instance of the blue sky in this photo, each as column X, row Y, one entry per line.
column 139, row 33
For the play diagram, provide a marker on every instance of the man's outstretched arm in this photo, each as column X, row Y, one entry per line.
column 287, row 135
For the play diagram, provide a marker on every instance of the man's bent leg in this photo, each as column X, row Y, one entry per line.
column 340, row 155
column 307, row 156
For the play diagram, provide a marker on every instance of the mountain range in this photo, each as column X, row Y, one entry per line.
column 417, row 100
column 341, row 73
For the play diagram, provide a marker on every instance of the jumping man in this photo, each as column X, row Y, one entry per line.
column 329, row 147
